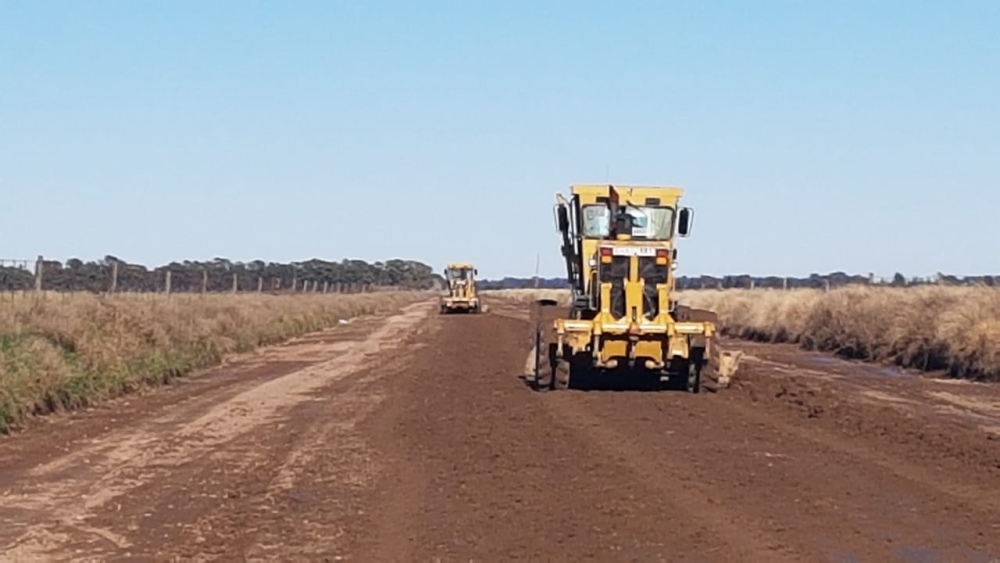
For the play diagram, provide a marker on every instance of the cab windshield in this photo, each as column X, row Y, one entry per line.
column 458, row 274
column 648, row 222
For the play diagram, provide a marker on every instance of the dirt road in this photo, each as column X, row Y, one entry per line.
column 411, row 438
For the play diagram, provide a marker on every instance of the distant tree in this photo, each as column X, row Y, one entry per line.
column 186, row 276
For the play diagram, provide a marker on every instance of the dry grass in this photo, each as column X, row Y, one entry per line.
column 956, row 329
column 64, row 353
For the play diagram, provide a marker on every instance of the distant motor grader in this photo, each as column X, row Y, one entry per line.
column 623, row 319
column 463, row 296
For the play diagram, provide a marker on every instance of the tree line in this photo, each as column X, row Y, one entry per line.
column 745, row 281
column 218, row 275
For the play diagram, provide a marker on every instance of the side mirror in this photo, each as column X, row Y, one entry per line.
column 686, row 219
column 562, row 218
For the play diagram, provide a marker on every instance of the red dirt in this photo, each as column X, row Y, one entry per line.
column 413, row 438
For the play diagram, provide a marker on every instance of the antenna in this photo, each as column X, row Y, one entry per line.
column 538, row 262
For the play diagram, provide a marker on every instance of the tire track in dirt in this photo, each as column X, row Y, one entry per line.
column 141, row 485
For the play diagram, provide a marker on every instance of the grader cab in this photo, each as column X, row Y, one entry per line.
column 623, row 320
column 463, row 296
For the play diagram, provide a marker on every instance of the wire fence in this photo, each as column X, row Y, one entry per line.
column 22, row 279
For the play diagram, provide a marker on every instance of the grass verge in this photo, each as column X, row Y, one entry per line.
column 952, row 329
column 58, row 354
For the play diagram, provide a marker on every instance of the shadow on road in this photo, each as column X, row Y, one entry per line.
column 620, row 379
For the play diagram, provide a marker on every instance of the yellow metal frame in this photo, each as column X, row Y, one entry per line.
column 632, row 336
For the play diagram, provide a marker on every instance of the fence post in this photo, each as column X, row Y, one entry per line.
column 114, row 278
column 260, row 284
column 166, row 284
column 236, row 283
column 39, row 266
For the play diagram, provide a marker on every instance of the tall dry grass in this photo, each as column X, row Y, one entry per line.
column 67, row 353
column 956, row 329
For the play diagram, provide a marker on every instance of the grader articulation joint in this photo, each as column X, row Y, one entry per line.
column 623, row 321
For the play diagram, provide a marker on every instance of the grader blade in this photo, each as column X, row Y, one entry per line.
column 729, row 363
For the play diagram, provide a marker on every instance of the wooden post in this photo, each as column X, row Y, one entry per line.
column 114, row 277
column 236, row 283
column 260, row 284
column 326, row 287
column 39, row 266
column 204, row 281
column 784, row 284
column 166, row 284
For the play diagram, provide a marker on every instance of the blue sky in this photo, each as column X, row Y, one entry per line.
column 810, row 136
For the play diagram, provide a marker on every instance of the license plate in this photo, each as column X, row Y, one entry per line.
column 633, row 251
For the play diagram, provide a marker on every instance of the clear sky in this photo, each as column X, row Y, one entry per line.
column 810, row 136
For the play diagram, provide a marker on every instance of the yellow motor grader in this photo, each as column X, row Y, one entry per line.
column 463, row 296
column 623, row 321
